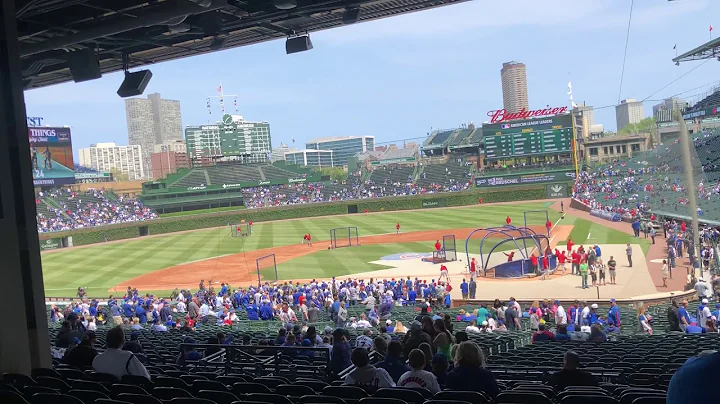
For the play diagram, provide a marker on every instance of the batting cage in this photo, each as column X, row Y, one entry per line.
column 447, row 253
column 536, row 217
column 268, row 266
column 344, row 237
column 241, row 229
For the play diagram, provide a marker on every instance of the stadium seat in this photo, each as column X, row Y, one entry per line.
column 190, row 400
column 138, row 381
column 587, row 399
column 316, row 385
column 53, row 383
column 87, row 396
column 318, row 399
column 45, row 372
column 120, row 388
column 229, row 380
column 378, row 400
column 90, row 385
column 68, row 374
column 522, row 397
column 211, row 385
column 220, row 397
column 650, row 400
column 18, row 380
column 410, row 396
column 11, row 397
column 168, row 393
column 43, row 398
column 249, row 387
column 468, row 396
column 138, row 399
column 345, row 392
column 268, row 398
column 294, row 390
column 165, row 381
column 109, row 401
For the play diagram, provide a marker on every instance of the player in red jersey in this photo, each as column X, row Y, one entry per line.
column 309, row 240
column 438, row 246
column 473, row 268
column 548, row 225
column 508, row 220
column 397, row 228
column 443, row 273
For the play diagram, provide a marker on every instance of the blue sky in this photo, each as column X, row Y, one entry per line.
column 396, row 78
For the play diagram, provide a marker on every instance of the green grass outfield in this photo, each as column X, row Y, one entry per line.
column 100, row 267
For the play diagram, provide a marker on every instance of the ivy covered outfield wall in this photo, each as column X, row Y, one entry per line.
column 208, row 220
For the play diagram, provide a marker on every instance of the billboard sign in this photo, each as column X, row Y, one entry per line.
column 502, row 115
column 434, row 203
column 50, row 244
column 52, row 157
column 523, row 179
column 557, row 190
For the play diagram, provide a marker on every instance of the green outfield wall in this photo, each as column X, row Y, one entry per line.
column 208, row 220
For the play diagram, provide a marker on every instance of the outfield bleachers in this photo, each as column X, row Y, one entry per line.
column 396, row 180
column 195, row 178
column 453, row 175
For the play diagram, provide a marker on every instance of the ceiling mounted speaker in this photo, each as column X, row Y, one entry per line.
column 134, row 83
column 285, row 4
column 298, row 44
column 351, row 15
column 84, row 65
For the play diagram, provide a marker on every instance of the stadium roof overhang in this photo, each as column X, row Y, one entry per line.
column 151, row 31
column 706, row 51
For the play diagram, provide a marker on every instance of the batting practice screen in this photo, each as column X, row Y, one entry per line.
column 268, row 266
column 449, row 248
column 52, row 157
column 344, row 237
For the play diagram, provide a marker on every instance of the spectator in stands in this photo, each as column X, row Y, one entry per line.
column 365, row 375
column 83, row 354
column 418, row 377
column 644, row 320
column 695, row 382
column 684, row 316
column 562, row 334
column 673, row 316
column 414, row 338
column 570, row 375
column 440, row 368
column 134, row 344
column 64, row 336
column 542, row 335
column 393, row 362
column 340, row 359
column 469, row 373
column 118, row 362
column 597, row 334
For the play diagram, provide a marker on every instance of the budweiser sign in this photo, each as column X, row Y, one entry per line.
column 502, row 115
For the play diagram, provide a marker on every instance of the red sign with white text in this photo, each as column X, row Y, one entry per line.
column 502, row 115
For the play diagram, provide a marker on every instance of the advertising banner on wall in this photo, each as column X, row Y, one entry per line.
column 557, row 190
column 52, row 157
column 50, row 244
column 434, row 203
column 529, row 178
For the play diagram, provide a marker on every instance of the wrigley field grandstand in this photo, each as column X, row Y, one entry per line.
column 530, row 255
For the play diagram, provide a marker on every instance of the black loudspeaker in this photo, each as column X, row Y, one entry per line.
column 298, row 44
column 134, row 83
column 84, row 65
column 351, row 16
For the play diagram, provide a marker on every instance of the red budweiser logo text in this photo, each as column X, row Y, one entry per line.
column 502, row 115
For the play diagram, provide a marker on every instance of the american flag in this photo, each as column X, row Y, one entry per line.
column 219, row 89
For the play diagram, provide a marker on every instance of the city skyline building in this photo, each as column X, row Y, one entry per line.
column 109, row 157
column 310, row 158
column 628, row 111
column 343, row 147
column 663, row 112
column 513, row 76
column 150, row 121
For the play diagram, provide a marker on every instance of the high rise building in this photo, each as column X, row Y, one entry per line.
column 629, row 111
column 310, row 158
column 514, row 87
column 278, row 153
column 177, row 146
column 233, row 138
column 663, row 112
column 123, row 160
column 587, row 112
column 167, row 162
column 152, row 121
column 343, row 147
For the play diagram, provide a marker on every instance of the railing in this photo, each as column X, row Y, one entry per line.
column 261, row 360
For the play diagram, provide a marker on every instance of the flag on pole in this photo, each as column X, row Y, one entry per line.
column 675, row 46
column 711, row 28
column 219, row 89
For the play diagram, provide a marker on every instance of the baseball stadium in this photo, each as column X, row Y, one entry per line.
column 523, row 260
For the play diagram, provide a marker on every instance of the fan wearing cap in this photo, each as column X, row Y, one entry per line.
column 703, row 314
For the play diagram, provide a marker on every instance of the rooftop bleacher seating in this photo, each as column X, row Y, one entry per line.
column 195, row 178
column 396, row 181
column 454, row 175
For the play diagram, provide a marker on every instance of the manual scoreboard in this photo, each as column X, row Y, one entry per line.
column 548, row 135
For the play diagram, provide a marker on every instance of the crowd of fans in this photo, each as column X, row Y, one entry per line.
column 650, row 180
column 68, row 209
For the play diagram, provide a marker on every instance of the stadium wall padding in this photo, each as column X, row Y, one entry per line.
column 208, row 220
